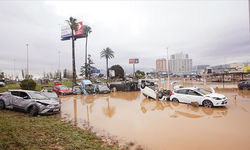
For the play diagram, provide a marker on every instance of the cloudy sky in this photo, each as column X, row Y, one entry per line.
column 212, row 33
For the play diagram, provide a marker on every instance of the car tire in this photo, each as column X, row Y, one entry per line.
column 244, row 88
column 2, row 105
column 33, row 111
column 143, row 85
column 207, row 103
column 160, row 94
column 175, row 100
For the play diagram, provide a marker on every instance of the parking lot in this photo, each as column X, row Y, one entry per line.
column 129, row 116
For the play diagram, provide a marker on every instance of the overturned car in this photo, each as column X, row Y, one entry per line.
column 151, row 90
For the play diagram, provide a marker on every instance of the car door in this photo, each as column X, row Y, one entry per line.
column 181, row 95
column 21, row 100
column 56, row 89
column 193, row 96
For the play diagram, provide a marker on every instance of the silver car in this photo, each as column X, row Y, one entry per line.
column 29, row 101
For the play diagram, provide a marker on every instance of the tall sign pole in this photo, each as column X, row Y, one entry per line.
column 134, row 61
column 27, row 62
column 168, row 69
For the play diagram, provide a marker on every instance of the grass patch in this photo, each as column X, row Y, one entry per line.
column 38, row 86
column 18, row 131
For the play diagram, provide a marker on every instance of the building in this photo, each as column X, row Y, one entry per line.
column 161, row 65
column 197, row 69
column 180, row 64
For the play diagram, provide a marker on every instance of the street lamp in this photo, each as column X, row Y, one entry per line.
column 59, row 67
column 168, row 69
column 14, row 76
column 27, row 62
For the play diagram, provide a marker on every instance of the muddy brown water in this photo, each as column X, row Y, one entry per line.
column 163, row 125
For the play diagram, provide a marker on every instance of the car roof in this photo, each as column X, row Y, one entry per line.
column 22, row 90
column 188, row 88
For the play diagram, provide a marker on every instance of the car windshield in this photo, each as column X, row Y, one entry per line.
column 103, row 87
column 64, row 88
column 37, row 95
column 203, row 91
column 50, row 94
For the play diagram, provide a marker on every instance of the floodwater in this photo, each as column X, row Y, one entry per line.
column 163, row 125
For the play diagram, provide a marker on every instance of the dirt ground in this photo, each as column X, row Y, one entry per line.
column 129, row 119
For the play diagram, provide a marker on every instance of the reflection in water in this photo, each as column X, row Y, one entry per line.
column 179, row 109
column 162, row 124
column 108, row 111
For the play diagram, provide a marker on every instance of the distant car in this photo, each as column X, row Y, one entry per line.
column 32, row 102
column 244, row 85
column 77, row 89
column 124, row 86
column 62, row 90
column 102, row 89
column 87, row 87
column 47, row 90
column 2, row 84
column 201, row 96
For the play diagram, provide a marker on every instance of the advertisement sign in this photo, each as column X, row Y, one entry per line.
column 111, row 73
column 79, row 28
column 65, row 31
column 134, row 61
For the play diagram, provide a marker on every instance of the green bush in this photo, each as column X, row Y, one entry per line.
column 28, row 84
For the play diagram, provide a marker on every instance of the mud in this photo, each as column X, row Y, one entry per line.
column 129, row 120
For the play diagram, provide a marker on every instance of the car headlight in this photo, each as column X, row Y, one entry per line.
column 217, row 98
column 50, row 106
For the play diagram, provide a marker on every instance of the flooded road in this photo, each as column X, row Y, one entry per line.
column 162, row 125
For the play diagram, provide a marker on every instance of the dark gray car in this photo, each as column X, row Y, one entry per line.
column 29, row 101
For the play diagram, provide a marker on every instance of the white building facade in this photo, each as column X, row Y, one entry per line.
column 180, row 64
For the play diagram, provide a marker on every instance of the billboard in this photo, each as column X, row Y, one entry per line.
column 66, row 32
column 79, row 28
column 134, row 61
column 111, row 73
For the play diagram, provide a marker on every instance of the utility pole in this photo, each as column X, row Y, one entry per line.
column 168, row 69
column 27, row 62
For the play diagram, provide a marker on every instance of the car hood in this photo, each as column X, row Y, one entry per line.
column 215, row 95
column 49, row 102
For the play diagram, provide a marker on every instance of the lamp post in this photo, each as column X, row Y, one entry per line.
column 14, row 76
column 168, row 69
column 27, row 62
column 59, row 67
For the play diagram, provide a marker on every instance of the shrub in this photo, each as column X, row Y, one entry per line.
column 28, row 84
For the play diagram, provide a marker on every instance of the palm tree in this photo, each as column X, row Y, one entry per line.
column 108, row 54
column 73, row 26
column 86, row 31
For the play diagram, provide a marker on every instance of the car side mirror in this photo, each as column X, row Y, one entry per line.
column 25, row 97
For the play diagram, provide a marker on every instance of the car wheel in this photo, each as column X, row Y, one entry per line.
column 244, row 88
column 207, row 103
column 160, row 94
column 175, row 100
column 143, row 85
column 33, row 111
column 2, row 105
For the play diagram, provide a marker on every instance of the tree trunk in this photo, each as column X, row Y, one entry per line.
column 73, row 60
column 107, row 69
column 86, row 70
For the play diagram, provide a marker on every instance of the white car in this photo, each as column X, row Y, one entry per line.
column 201, row 96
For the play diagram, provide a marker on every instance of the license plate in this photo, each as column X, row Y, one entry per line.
column 55, row 109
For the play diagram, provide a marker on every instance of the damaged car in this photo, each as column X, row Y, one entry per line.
column 87, row 87
column 32, row 102
column 47, row 90
column 151, row 90
column 124, row 86
column 204, row 97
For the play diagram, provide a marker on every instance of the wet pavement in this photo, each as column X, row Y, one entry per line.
column 129, row 117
